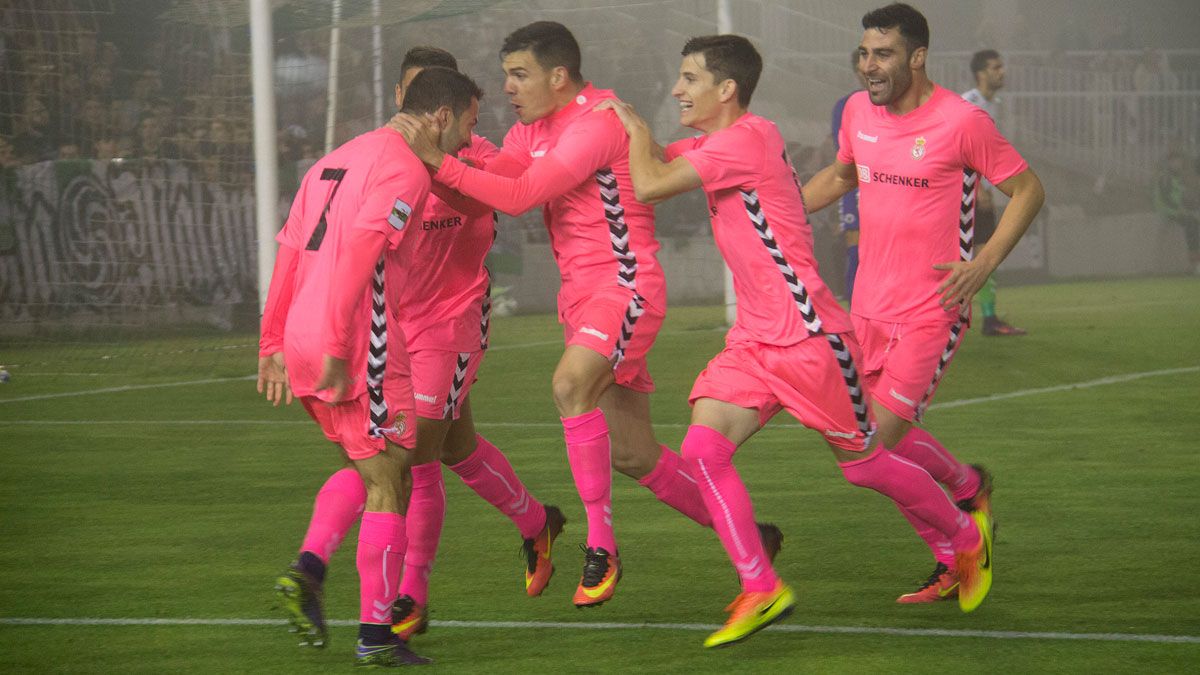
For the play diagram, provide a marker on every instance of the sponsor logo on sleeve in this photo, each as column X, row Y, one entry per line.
column 400, row 214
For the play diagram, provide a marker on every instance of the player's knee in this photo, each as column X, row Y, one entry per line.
column 633, row 461
column 696, row 451
column 455, row 451
column 570, row 395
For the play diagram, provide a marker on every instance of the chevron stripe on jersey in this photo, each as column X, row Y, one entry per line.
column 966, row 250
column 809, row 314
column 485, row 315
column 377, row 354
column 618, row 231
column 966, row 219
column 456, row 385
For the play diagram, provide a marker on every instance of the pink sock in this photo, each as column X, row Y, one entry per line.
column 943, row 548
column 488, row 473
column 675, row 487
column 338, row 505
column 380, row 556
column 588, row 451
column 915, row 492
column 710, row 458
column 921, row 447
column 426, row 512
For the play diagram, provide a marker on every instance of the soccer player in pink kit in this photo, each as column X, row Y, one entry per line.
column 915, row 152
column 331, row 336
column 445, row 322
column 613, row 293
column 791, row 346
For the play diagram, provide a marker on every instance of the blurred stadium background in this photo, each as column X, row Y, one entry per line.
column 127, row 144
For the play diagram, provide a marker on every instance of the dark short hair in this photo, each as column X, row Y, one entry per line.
column 912, row 24
column 427, row 57
column 729, row 57
column 979, row 60
column 435, row 87
column 552, row 46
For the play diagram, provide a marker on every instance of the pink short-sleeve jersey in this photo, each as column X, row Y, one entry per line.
column 917, row 177
column 444, row 291
column 576, row 165
column 760, row 227
column 373, row 182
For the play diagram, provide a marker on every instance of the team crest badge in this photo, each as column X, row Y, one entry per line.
column 399, row 215
column 918, row 148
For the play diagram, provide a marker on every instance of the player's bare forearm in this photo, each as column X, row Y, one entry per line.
column 828, row 186
column 966, row 278
column 645, row 169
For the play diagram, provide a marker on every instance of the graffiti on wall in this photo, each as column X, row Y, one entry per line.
column 89, row 240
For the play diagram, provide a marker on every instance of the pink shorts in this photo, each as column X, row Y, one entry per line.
column 619, row 326
column 441, row 381
column 805, row 379
column 904, row 362
column 349, row 423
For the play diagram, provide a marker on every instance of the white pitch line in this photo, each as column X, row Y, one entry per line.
column 571, row 625
column 959, row 402
column 1115, row 379
column 130, row 387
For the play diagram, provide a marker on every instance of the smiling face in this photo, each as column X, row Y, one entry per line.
column 886, row 65
column 698, row 93
column 529, row 86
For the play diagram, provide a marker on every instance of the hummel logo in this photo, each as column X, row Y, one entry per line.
column 425, row 397
column 592, row 331
column 869, row 139
column 537, row 153
column 900, row 397
column 839, row 434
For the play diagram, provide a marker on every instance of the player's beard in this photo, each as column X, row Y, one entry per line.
column 894, row 86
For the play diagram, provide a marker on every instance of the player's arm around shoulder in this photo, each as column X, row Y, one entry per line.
column 654, row 179
column 828, row 185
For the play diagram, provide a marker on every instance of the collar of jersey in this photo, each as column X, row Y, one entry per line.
column 583, row 102
column 918, row 112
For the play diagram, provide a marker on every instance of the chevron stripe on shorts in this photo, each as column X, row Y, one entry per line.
column 456, row 385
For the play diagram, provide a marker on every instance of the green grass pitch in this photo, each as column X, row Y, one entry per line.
column 183, row 501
